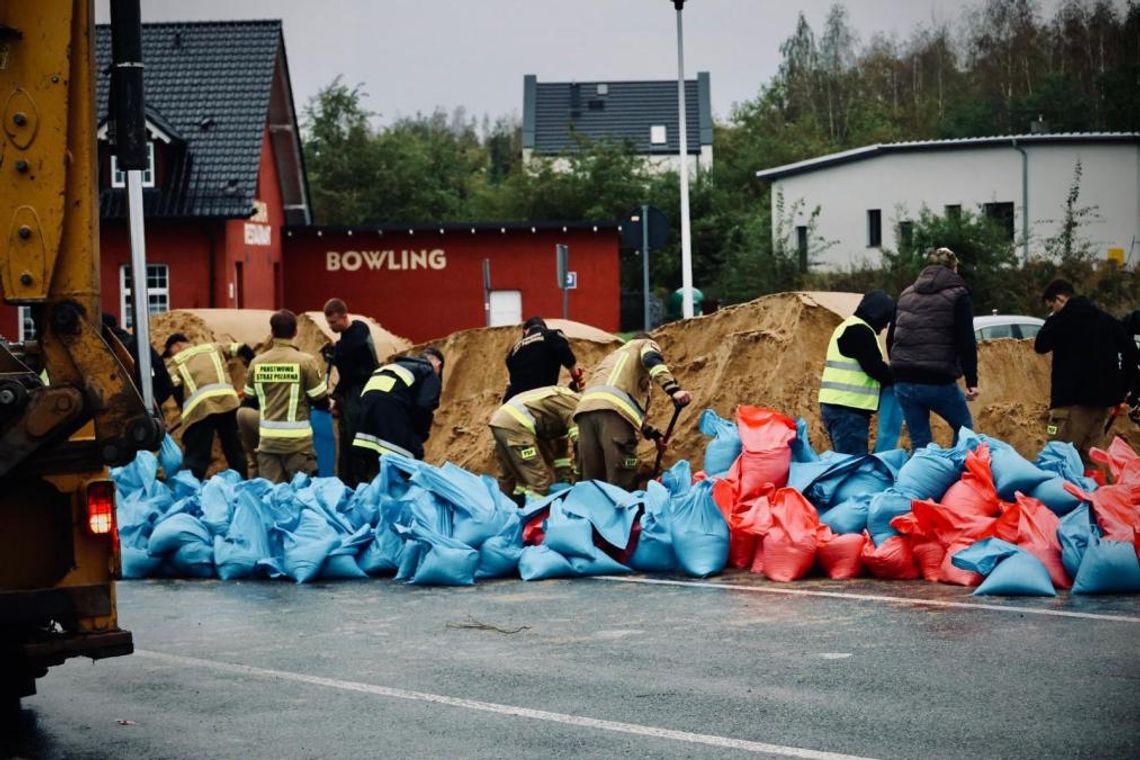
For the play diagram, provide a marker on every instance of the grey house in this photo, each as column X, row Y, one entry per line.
column 555, row 114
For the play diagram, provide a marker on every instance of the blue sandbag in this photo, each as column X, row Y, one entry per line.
column 1052, row 494
column 569, row 535
column 410, row 559
column 930, row 472
column 883, row 508
column 246, row 541
column 184, row 485
column 194, row 559
column 444, row 561
column 699, row 532
column 849, row 516
column 599, row 564
column 307, row 548
column 654, row 551
column 383, row 554
column 890, row 420
column 139, row 475
column 983, row 556
column 341, row 563
column 610, row 509
column 169, row 456
column 1020, row 574
column 174, row 531
column 1108, row 567
column 1063, row 458
column 537, row 563
column 217, row 502
column 801, row 475
column 802, row 450
column 1012, row 472
column 137, row 563
column 1073, row 534
column 678, row 478
column 499, row 554
column 725, row 446
column 894, row 459
column 477, row 513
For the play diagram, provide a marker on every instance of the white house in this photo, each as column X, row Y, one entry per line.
column 867, row 196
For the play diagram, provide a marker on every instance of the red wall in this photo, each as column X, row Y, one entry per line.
column 183, row 246
column 424, row 303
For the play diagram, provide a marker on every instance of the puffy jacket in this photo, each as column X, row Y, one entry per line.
column 932, row 338
column 1094, row 359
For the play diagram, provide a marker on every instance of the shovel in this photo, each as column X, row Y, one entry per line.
column 662, row 441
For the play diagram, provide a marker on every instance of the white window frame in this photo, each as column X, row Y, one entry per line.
column 25, row 328
column 119, row 178
column 658, row 134
column 159, row 272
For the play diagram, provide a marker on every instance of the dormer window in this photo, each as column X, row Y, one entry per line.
column 119, row 178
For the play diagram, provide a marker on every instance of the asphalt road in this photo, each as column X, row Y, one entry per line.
column 597, row 668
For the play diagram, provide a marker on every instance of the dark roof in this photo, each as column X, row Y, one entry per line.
column 449, row 227
column 553, row 112
column 925, row 146
column 218, row 74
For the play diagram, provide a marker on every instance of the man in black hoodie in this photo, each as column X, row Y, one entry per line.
column 1094, row 366
column 853, row 373
column 354, row 357
column 931, row 345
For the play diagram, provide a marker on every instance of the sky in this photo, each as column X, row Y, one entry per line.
column 414, row 56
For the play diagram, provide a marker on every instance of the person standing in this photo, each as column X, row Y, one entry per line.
column 354, row 358
column 613, row 409
column 537, row 359
column 931, row 344
column 1094, row 367
column 519, row 428
column 202, row 385
column 284, row 383
column 160, row 377
column 853, row 373
column 397, row 408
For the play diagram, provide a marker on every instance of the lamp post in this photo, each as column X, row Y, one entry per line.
column 686, row 235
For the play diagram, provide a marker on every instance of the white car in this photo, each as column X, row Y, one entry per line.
column 1007, row 326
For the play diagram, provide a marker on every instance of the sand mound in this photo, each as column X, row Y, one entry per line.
column 475, row 377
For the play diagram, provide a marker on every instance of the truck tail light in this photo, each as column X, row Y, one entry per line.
column 101, row 507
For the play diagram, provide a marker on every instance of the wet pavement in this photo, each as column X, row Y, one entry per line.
column 653, row 667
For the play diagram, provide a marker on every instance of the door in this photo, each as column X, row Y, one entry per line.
column 506, row 307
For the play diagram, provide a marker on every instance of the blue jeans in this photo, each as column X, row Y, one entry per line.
column 918, row 400
column 848, row 429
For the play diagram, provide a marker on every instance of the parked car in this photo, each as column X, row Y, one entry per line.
column 1006, row 326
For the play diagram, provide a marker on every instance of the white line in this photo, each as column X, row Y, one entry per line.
column 873, row 598
column 723, row 742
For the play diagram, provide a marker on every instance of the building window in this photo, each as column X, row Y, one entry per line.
column 1001, row 214
column 119, row 178
column 802, row 246
column 26, row 330
column 603, row 89
column 158, row 292
column 906, row 234
column 657, row 134
column 874, row 228
column 954, row 212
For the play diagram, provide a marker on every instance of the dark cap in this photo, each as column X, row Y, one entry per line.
column 534, row 322
column 175, row 338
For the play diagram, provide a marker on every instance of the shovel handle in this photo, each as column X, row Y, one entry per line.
column 664, row 442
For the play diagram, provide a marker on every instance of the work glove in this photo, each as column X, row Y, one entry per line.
column 576, row 378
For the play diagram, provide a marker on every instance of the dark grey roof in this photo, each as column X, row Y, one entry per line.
column 194, row 72
column 925, row 146
column 553, row 112
column 425, row 228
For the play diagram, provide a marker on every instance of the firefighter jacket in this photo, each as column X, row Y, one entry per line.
column 284, row 380
column 621, row 381
column 397, row 406
column 537, row 360
column 546, row 413
column 201, row 374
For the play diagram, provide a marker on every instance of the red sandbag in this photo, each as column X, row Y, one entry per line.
column 840, row 554
column 790, row 544
column 943, row 524
column 533, row 533
column 726, row 494
column 1117, row 510
column 766, row 455
column 975, row 493
column 1037, row 534
column 1122, row 462
column 890, row 560
column 949, row 573
column 927, row 550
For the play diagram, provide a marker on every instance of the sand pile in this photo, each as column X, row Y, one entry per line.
column 475, row 377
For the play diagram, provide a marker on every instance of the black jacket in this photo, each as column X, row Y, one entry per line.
column 537, row 360
column 354, row 357
column 160, row 378
column 403, row 414
column 858, row 343
column 932, row 339
column 1094, row 359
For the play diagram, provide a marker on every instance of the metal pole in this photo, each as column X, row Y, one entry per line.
column 566, row 290
column 139, row 296
column 487, row 291
column 645, row 262
column 686, row 237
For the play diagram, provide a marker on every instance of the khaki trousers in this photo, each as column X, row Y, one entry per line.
column 1082, row 426
column 280, row 468
column 248, row 421
column 524, row 469
column 607, row 448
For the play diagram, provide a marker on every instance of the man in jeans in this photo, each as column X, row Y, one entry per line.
column 931, row 345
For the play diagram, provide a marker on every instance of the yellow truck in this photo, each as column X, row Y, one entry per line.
column 68, row 406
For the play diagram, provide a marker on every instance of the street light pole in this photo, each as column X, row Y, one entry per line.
column 686, row 235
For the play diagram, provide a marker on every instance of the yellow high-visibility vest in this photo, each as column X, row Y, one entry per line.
column 844, row 383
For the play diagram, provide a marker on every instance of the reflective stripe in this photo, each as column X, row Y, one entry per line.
column 306, row 432
column 248, row 391
column 283, row 425
column 844, row 383
column 187, row 353
column 403, row 373
column 658, row 369
column 524, row 417
column 650, row 347
column 379, row 445
column 849, row 388
column 187, row 378
column 562, row 462
column 572, row 431
column 843, row 365
column 218, row 366
column 382, row 384
column 619, row 365
column 213, row 390
column 294, row 397
column 619, row 398
column 318, row 391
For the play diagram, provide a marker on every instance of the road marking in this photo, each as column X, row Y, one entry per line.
column 492, row 707
column 872, row 598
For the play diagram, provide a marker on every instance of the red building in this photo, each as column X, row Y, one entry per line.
column 423, row 282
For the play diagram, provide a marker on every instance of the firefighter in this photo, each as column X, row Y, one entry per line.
column 613, row 409
column 354, row 357
column 397, row 406
column 285, row 383
column 248, row 421
column 203, row 387
column 538, row 358
column 520, row 426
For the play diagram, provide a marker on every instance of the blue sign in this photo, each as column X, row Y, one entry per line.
column 571, row 281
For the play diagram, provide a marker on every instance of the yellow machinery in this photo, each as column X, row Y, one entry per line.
column 68, row 405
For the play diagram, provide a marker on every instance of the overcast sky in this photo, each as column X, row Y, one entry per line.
column 414, row 55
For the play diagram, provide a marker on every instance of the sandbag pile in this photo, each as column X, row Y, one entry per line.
column 977, row 514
